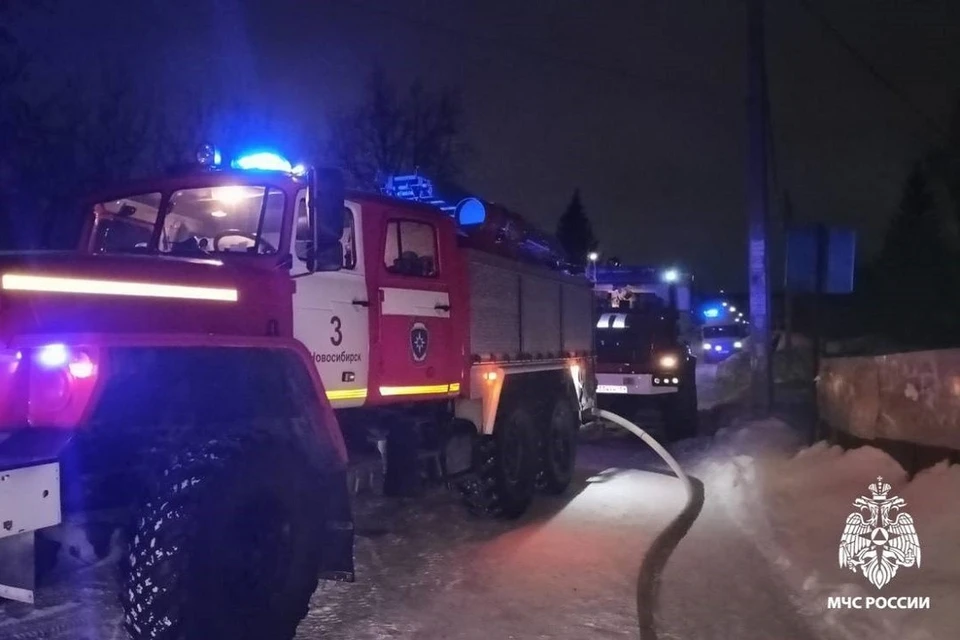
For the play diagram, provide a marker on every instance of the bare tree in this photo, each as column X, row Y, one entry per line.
column 20, row 124
column 576, row 233
column 391, row 132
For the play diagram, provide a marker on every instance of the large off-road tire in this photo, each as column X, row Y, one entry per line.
column 46, row 554
column 558, row 447
column 506, row 468
column 228, row 544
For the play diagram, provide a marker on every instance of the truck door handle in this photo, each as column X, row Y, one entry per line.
column 361, row 303
column 442, row 307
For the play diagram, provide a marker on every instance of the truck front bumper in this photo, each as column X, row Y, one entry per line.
column 637, row 384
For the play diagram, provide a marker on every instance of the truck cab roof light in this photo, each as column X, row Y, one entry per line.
column 263, row 161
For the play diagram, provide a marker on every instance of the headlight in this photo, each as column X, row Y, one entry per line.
column 707, row 346
column 738, row 345
column 668, row 362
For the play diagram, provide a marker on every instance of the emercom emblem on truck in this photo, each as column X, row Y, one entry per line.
column 419, row 341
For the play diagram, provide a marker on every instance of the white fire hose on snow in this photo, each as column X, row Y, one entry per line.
column 659, row 551
column 653, row 444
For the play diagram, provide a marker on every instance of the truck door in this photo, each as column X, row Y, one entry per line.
column 416, row 338
column 331, row 311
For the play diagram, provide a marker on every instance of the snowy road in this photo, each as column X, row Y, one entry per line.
column 569, row 569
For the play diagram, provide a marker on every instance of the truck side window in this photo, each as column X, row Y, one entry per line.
column 411, row 248
column 347, row 240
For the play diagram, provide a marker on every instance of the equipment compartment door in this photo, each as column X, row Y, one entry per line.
column 331, row 315
column 415, row 313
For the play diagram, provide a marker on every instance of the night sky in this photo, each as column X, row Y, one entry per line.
column 638, row 103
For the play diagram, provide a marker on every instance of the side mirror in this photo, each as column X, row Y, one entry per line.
column 327, row 257
column 672, row 296
column 325, row 205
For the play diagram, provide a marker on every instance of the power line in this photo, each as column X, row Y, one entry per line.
column 871, row 69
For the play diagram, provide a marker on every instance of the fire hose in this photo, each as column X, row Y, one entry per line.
column 651, row 569
column 653, row 444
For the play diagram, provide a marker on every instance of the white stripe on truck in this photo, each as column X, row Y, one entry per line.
column 612, row 321
column 414, row 302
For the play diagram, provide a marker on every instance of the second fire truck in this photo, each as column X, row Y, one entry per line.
column 646, row 368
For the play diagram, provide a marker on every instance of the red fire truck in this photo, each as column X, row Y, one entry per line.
column 645, row 367
column 190, row 372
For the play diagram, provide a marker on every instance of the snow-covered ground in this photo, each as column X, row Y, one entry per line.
column 713, row 391
column 428, row 570
column 570, row 569
column 758, row 562
column 795, row 507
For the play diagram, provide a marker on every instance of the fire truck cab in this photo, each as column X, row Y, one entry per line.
column 646, row 369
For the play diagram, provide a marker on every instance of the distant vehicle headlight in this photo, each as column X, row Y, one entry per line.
column 738, row 345
column 707, row 346
column 668, row 362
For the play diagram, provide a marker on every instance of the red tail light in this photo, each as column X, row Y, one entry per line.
column 49, row 386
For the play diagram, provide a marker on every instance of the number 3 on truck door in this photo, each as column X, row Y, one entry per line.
column 331, row 312
column 337, row 333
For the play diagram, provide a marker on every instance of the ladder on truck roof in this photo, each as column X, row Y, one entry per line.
column 481, row 224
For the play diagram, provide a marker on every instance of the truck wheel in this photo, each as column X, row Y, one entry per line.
column 46, row 554
column 558, row 448
column 506, row 465
column 227, row 545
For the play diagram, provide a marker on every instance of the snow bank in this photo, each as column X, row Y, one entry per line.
column 795, row 506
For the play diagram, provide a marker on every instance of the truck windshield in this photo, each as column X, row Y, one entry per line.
column 725, row 331
column 224, row 219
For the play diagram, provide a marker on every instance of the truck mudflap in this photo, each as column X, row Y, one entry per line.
column 638, row 384
column 29, row 500
column 337, row 560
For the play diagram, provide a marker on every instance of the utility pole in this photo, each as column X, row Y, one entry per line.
column 787, row 294
column 761, row 377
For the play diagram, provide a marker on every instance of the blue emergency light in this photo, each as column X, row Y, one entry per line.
column 471, row 211
column 263, row 161
column 711, row 312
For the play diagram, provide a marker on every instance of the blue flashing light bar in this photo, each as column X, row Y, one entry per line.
column 263, row 161
column 629, row 275
column 417, row 189
column 711, row 312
